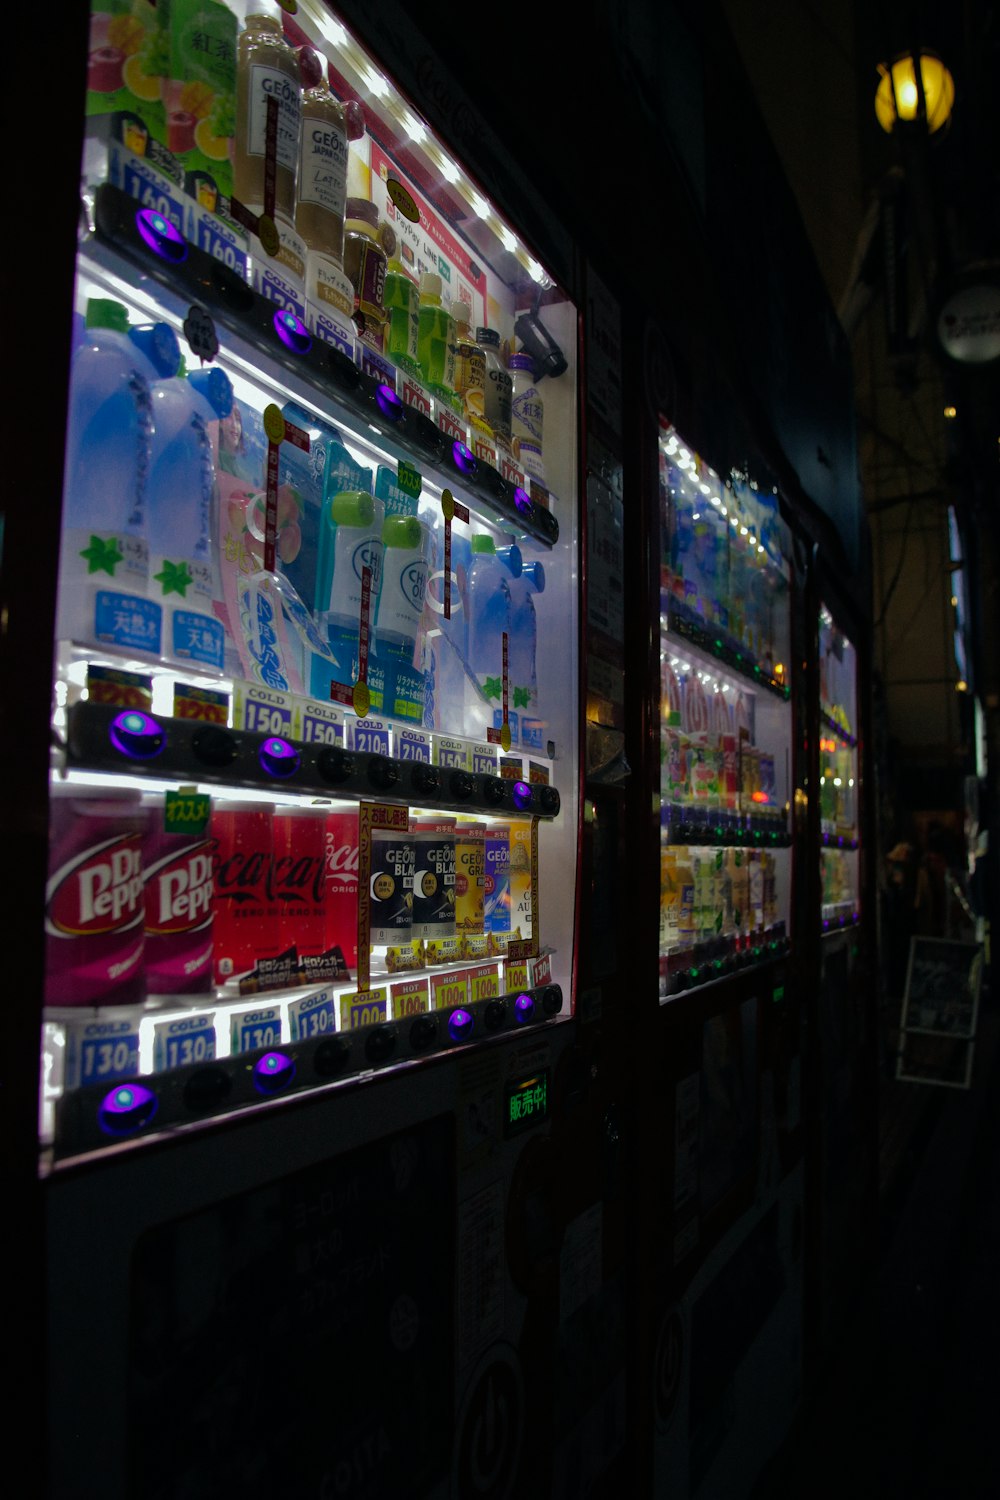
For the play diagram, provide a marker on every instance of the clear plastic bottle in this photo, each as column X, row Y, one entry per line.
column 365, row 263
column 402, row 305
column 489, row 617
column 321, row 189
column 470, row 363
column 499, row 386
column 266, row 65
column 436, row 338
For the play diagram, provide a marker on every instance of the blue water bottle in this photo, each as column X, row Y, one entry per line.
column 104, row 562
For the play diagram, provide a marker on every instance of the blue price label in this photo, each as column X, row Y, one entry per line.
column 321, row 731
column 281, row 297
column 267, row 718
column 252, row 1035
column 412, row 746
column 151, row 195
column 484, row 762
column 102, row 1059
column 317, row 1020
column 178, row 1050
column 371, row 741
column 220, row 248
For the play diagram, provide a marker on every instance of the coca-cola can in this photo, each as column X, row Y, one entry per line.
column 177, row 874
column 94, row 898
column 342, row 883
column 299, row 877
column 246, row 913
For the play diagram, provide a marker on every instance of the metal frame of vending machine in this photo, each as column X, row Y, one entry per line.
column 719, row 1223
column 362, row 1233
column 841, row 1055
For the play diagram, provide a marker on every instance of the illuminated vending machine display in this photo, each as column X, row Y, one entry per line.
column 838, row 776
column 312, row 768
column 726, row 722
column 314, row 786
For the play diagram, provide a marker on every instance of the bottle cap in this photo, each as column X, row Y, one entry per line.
column 402, row 531
column 521, row 362
column 534, row 572
column 483, row 543
column 311, row 68
column 488, row 336
column 158, row 343
column 362, row 208
column 511, row 558
column 103, row 312
column 352, row 508
column 215, row 387
column 430, row 284
column 461, row 312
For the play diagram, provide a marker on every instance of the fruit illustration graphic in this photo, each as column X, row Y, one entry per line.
column 180, row 131
column 196, row 98
column 104, row 69
column 127, row 33
column 246, row 512
column 143, row 85
column 216, row 147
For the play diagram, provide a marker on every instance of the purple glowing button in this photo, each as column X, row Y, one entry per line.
column 137, row 735
column 524, row 1008
column 126, row 1108
column 279, row 758
column 460, row 1024
column 521, row 794
column 465, row 462
column 389, row 403
column 522, row 500
column 273, row 1072
column 292, row 331
column 160, row 235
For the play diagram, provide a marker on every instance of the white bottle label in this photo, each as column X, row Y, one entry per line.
column 352, row 554
column 404, row 587
column 323, row 165
column 265, row 81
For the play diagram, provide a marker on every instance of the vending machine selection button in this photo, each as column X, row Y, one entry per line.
column 460, row 1024
column 161, row 236
column 278, row 758
column 137, row 735
column 552, row 1000
column 332, row 1056
column 207, row 1089
column 494, row 1015
column 380, row 1043
column 382, row 772
column 524, row 1008
column 426, row 779
column 521, row 794
column 462, row 785
column 549, row 800
column 336, row 765
column 273, row 1072
column 126, row 1108
column 292, row 331
column 494, row 789
column 215, row 746
column 423, row 1033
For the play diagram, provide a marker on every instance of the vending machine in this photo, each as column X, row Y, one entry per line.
column 320, row 1155
column 726, row 1272
column 842, row 1066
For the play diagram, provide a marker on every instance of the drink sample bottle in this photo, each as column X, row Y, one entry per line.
column 435, row 338
column 499, row 386
column 246, row 914
column 104, row 564
column 321, row 190
column 299, row 880
column 266, row 67
column 402, row 317
column 404, row 585
column 470, row 363
column 358, row 518
column 527, row 414
column 365, row 263
column 489, row 615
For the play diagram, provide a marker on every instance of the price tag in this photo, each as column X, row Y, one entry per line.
column 409, row 998
column 101, row 1051
column 184, row 1040
column 413, row 744
column 313, row 1015
column 366, row 1008
column 449, row 990
column 451, row 753
column 253, row 1029
column 318, row 723
column 262, row 710
column 484, row 983
column 369, row 736
column 484, row 760
column 199, row 330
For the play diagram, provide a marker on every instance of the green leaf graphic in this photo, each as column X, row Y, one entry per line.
column 493, row 688
column 175, row 578
column 102, row 557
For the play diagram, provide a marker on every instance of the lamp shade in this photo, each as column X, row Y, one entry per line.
column 898, row 98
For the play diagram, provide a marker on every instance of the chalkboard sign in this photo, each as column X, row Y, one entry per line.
column 940, row 1011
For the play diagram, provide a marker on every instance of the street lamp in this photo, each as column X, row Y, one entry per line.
column 901, row 97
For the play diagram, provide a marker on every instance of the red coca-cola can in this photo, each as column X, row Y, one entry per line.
column 299, row 877
column 246, row 926
column 342, row 883
column 94, row 940
column 177, row 875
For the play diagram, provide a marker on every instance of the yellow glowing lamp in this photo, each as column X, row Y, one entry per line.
column 898, row 98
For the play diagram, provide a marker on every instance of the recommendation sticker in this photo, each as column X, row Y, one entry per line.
column 186, row 812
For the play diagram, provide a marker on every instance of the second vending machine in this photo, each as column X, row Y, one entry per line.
column 307, row 1016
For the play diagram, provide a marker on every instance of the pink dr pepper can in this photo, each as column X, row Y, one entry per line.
column 177, row 876
column 94, row 898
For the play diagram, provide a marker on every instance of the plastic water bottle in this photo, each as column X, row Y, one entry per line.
column 358, row 518
column 104, row 568
column 179, row 506
column 489, row 616
column 527, row 580
column 406, row 543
